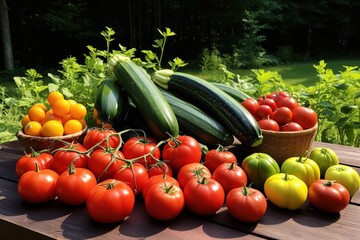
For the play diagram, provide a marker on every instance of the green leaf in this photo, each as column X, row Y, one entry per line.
column 341, row 86
column 348, row 108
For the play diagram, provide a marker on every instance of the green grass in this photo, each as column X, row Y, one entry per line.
column 292, row 74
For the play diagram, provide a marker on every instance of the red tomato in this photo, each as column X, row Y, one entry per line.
column 246, row 204
column 251, row 105
column 136, row 147
column 75, row 152
column 27, row 162
column 164, row 201
column 38, row 186
column 110, row 201
column 192, row 171
column 268, row 101
column 291, row 126
column 263, row 111
column 215, row 157
column 288, row 102
column 160, row 168
column 98, row 136
column 74, row 186
column 328, row 196
column 134, row 175
column 306, row 117
column 156, row 180
column 230, row 176
column 269, row 124
column 282, row 115
column 277, row 96
column 181, row 150
column 204, row 196
column 104, row 163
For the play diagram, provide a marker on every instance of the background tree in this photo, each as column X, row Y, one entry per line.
column 6, row 36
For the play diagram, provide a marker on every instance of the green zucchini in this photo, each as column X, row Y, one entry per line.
column 146, row 96
column 194, row 122
column 234, row 92
column 215, row 102
column 111, row 103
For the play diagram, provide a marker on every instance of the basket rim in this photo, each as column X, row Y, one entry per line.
column 21, row 134
column 291, row 133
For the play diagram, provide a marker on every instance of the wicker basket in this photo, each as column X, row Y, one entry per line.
column 283, row 145
column 51, row 143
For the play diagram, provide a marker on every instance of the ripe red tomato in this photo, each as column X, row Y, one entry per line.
column 134, row 175
column 277, row 96
column 306, row 117
column 38, row 186
column 156, row 180
column 110, row 201
column 204, row 196
column 251, row 105
column 288, row 102
column 164, row 201
column 104, row 163
column 246, row 204
column 230, row 175
column 328, row 196
column 160, row 168
column 291, row 126
column 181, row 150
column 263, row 111
column 136, row 147
column 282, row 115
column 269, row 124
column 74, row 152
column 268, row 101
column 215, row 157
column 27, row 162
column 192, row 171
column 74, row 186
column 97, row 136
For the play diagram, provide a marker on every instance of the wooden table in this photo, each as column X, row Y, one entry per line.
column 54, row 220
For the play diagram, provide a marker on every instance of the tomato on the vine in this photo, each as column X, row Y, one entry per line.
column 181, row 150
column 27, row 162
column 137, row 147
column 328, row 195
column 104, row 163
column 204, row 196
column 157, row 179
column 74, row 152
column 215, row 157
column 164, row 201
column 230, row 175
column 192, row 171
column 38, row 186
column 246, row 204
column 160, row 168
column 74, row 186
column 133, row 174
column 110, row 201
column 102, row 137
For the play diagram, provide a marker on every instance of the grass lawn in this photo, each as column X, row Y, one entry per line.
column 293, row 74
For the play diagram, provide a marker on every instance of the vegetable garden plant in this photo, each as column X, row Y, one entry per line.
column 334, row 96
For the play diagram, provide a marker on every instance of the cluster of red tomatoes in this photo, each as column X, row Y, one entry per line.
column 278, row 111
column 108, row 175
